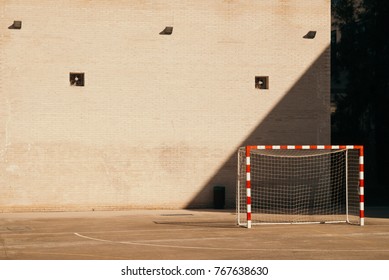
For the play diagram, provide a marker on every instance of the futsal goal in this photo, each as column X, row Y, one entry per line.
column 300, row 184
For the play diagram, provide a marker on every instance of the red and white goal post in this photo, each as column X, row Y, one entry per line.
column 300, row 184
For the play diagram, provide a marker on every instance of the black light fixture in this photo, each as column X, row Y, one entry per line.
column 167, row 31
column 16, row 25
column 262, row 82
column 77, row 79
column 310, row 35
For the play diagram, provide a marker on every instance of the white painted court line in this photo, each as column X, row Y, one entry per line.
column 227, row 249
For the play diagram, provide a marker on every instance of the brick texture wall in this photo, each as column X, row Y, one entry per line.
column 160, row 118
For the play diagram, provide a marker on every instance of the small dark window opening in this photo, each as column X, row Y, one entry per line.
column 262, row 82
column 77, row 79
column 310, row 35
column 167, row 31
column 16, row 25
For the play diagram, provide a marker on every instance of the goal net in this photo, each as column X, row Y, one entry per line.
column 300, row 184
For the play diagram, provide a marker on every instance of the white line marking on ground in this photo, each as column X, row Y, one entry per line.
column 228, row 249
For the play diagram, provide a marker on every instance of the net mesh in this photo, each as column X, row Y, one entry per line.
column 299, row 186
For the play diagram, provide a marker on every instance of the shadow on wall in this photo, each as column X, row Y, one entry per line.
column 302, row 116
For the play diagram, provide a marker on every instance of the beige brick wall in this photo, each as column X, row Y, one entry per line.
column 160, row 117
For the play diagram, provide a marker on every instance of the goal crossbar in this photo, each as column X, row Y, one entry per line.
column 274, row 188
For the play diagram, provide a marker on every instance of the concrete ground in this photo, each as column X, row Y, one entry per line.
column 185, row 235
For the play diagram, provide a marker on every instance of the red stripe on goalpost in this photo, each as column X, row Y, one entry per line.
column 361, row 185
column 248, row 185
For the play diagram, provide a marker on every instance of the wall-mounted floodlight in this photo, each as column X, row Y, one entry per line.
column 16, row 25
column 167, row 31
column 262, row 82
column 310, row 35
column 77, row 79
